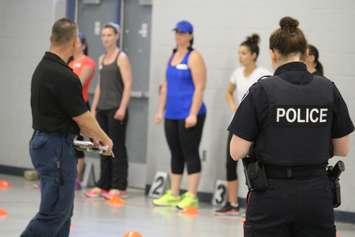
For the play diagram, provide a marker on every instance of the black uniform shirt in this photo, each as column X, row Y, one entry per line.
column 253, row 110
column 56, row 96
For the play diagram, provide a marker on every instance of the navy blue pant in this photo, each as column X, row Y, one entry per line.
column 53, row 157
column 291, row 208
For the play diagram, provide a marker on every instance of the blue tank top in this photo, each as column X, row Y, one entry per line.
column 180, row 90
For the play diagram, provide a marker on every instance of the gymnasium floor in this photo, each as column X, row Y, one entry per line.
column 95, row 218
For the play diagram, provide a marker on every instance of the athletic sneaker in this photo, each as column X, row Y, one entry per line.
column 189, row 200
column 114, row 193
column 228, row 210
column 95, row 192
column 168, row 199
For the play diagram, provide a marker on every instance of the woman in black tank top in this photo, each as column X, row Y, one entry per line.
column 110, row 105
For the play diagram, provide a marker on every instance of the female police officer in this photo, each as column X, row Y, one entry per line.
column 294, row 122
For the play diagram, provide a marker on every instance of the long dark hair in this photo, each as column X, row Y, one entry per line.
column 312, row 50
column 252, row 43
column 84, row 42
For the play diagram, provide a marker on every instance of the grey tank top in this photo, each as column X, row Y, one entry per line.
column 111, row 86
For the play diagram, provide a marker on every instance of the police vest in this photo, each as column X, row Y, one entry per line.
column 297, row 129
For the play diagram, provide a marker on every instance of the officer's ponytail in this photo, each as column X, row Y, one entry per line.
column 289, row 38
column 252, row 42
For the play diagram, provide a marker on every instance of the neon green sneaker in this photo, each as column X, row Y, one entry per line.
column 188, row 201
column 168, row 199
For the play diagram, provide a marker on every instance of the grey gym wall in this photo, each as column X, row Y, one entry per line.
column 24, row 37
column 220, row 27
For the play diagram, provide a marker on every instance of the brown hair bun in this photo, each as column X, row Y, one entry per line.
column 289, row 24
column 253, row 39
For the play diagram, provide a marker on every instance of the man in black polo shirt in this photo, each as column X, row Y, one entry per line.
column 59, row 112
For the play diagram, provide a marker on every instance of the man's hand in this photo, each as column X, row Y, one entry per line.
column 90, row 128
column 104, row 148
column 107, row 144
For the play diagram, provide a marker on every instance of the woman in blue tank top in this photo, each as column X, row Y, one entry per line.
column 181, row 97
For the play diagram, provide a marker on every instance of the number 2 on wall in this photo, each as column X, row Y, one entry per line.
column 158, row 189
column 159, row 185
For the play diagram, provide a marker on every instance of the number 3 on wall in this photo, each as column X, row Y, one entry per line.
column 159, row 185
column 220, row 194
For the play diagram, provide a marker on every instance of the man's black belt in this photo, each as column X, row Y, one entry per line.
column 294, row 172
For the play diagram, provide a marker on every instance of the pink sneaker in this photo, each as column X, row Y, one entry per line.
column 93, row 193
column 114, row 193
column 104, row 193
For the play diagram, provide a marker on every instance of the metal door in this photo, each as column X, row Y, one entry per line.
column 91, row 16
column 136, row 22
column 135, row 16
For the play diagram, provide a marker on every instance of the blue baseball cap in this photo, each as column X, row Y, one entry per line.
column 184, row 27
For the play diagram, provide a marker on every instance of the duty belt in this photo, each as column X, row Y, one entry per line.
column 294, row 172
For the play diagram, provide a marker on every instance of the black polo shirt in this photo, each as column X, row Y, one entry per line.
column 253, row 110
column 56, row 96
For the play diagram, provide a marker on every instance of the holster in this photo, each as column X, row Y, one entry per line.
column 255, row 175
column 333, row 173
column 335, row 186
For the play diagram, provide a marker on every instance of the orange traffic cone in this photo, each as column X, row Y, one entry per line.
column 192, row 211
column 116, row 202
column 132, row 234
column 4, row 184
column 3, row 213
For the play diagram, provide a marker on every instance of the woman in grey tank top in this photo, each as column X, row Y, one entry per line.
column 110, row 106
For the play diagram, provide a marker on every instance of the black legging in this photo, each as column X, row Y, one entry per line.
column 184, row 145
column 231, row 165
column 114, row 171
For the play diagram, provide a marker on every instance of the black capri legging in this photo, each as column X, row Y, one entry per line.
column 231, row 165
column 184, row 145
